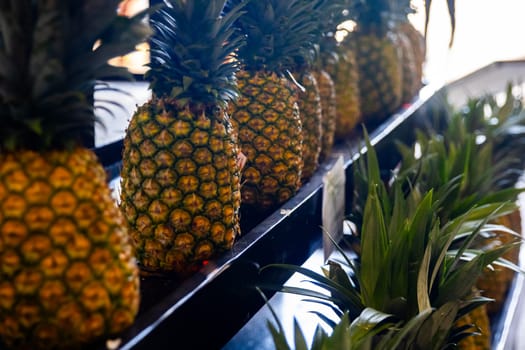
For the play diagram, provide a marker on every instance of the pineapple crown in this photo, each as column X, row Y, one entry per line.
column 373, row 15
column 329, row 15
column 279, row 34
column 193, row 53
column 401, row 10
column 52, row 53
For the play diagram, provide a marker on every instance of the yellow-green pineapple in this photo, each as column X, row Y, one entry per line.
column 317, row 104
column 328, row 15
column 379, row 62
column 413, row 47
column 180, row 178
column 411, row 80
column 477, row 323
column 340, row 62
column 310, row 111
column 266, row 114
column 68, row 276
column 496, row 281
column 328, row 110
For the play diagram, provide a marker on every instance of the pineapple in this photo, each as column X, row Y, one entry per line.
column 68, row 276
column 477, row 323
column 410, row 267
column 310, row 112
column 413, row 47
column 328, row 15
column 411, row 74
column 180, row 177
column 328, row 110
column 495, row 282
column 305, row 13
column 379, row 62
column 266, row 114
column 343, row 69
column 500, row 122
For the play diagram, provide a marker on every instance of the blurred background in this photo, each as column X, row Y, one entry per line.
column 486, row 31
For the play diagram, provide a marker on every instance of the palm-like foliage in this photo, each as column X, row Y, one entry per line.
column 474, row 159
column 53, row 54
column 410, row 262
column 195, row 68
column 351, row 335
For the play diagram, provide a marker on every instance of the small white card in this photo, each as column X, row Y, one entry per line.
column 333, row 206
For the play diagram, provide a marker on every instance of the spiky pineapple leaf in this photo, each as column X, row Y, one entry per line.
column 56, row 51
column 405, row 334
column 423, row 285
column 436, row 328
column 460, row 280
column 340, row 295
column 195, row 66
column 368, row 323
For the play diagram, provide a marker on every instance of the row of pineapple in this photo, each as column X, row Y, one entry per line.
column 438, row 241
column 226, row 78
column 274, row 111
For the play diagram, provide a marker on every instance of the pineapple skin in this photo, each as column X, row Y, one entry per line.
column 380, row 75
column 328, row 110
column 410, row 70
column 310, row 111
column 180, row 186
column 267, row 121
column 495, row 283
column 345, row 74
column 417, row 43
column 67, row 271
column 480, row 322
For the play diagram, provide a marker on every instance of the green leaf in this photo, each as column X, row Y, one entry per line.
column 435, row 329
column 300, row 341
column 279, row 338
column 350, row 297
column 407, row 332
column 369, row 323
column 374, row 246
column 423, row 295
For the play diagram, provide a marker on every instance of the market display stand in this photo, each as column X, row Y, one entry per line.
column 219, row 307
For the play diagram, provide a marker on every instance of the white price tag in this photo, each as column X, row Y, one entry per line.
column 333, row 206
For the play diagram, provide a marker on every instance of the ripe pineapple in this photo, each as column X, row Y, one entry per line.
column 180, row 177
column 379, row 62
column 310, row 112
column 413, row 47
column 328, row 110
column 343, row 69
column 476, row 322
column 495, row 283
column 411, row 76
column 328, row 15
column 479, row 323
column 266, row 115
column 67, row 271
